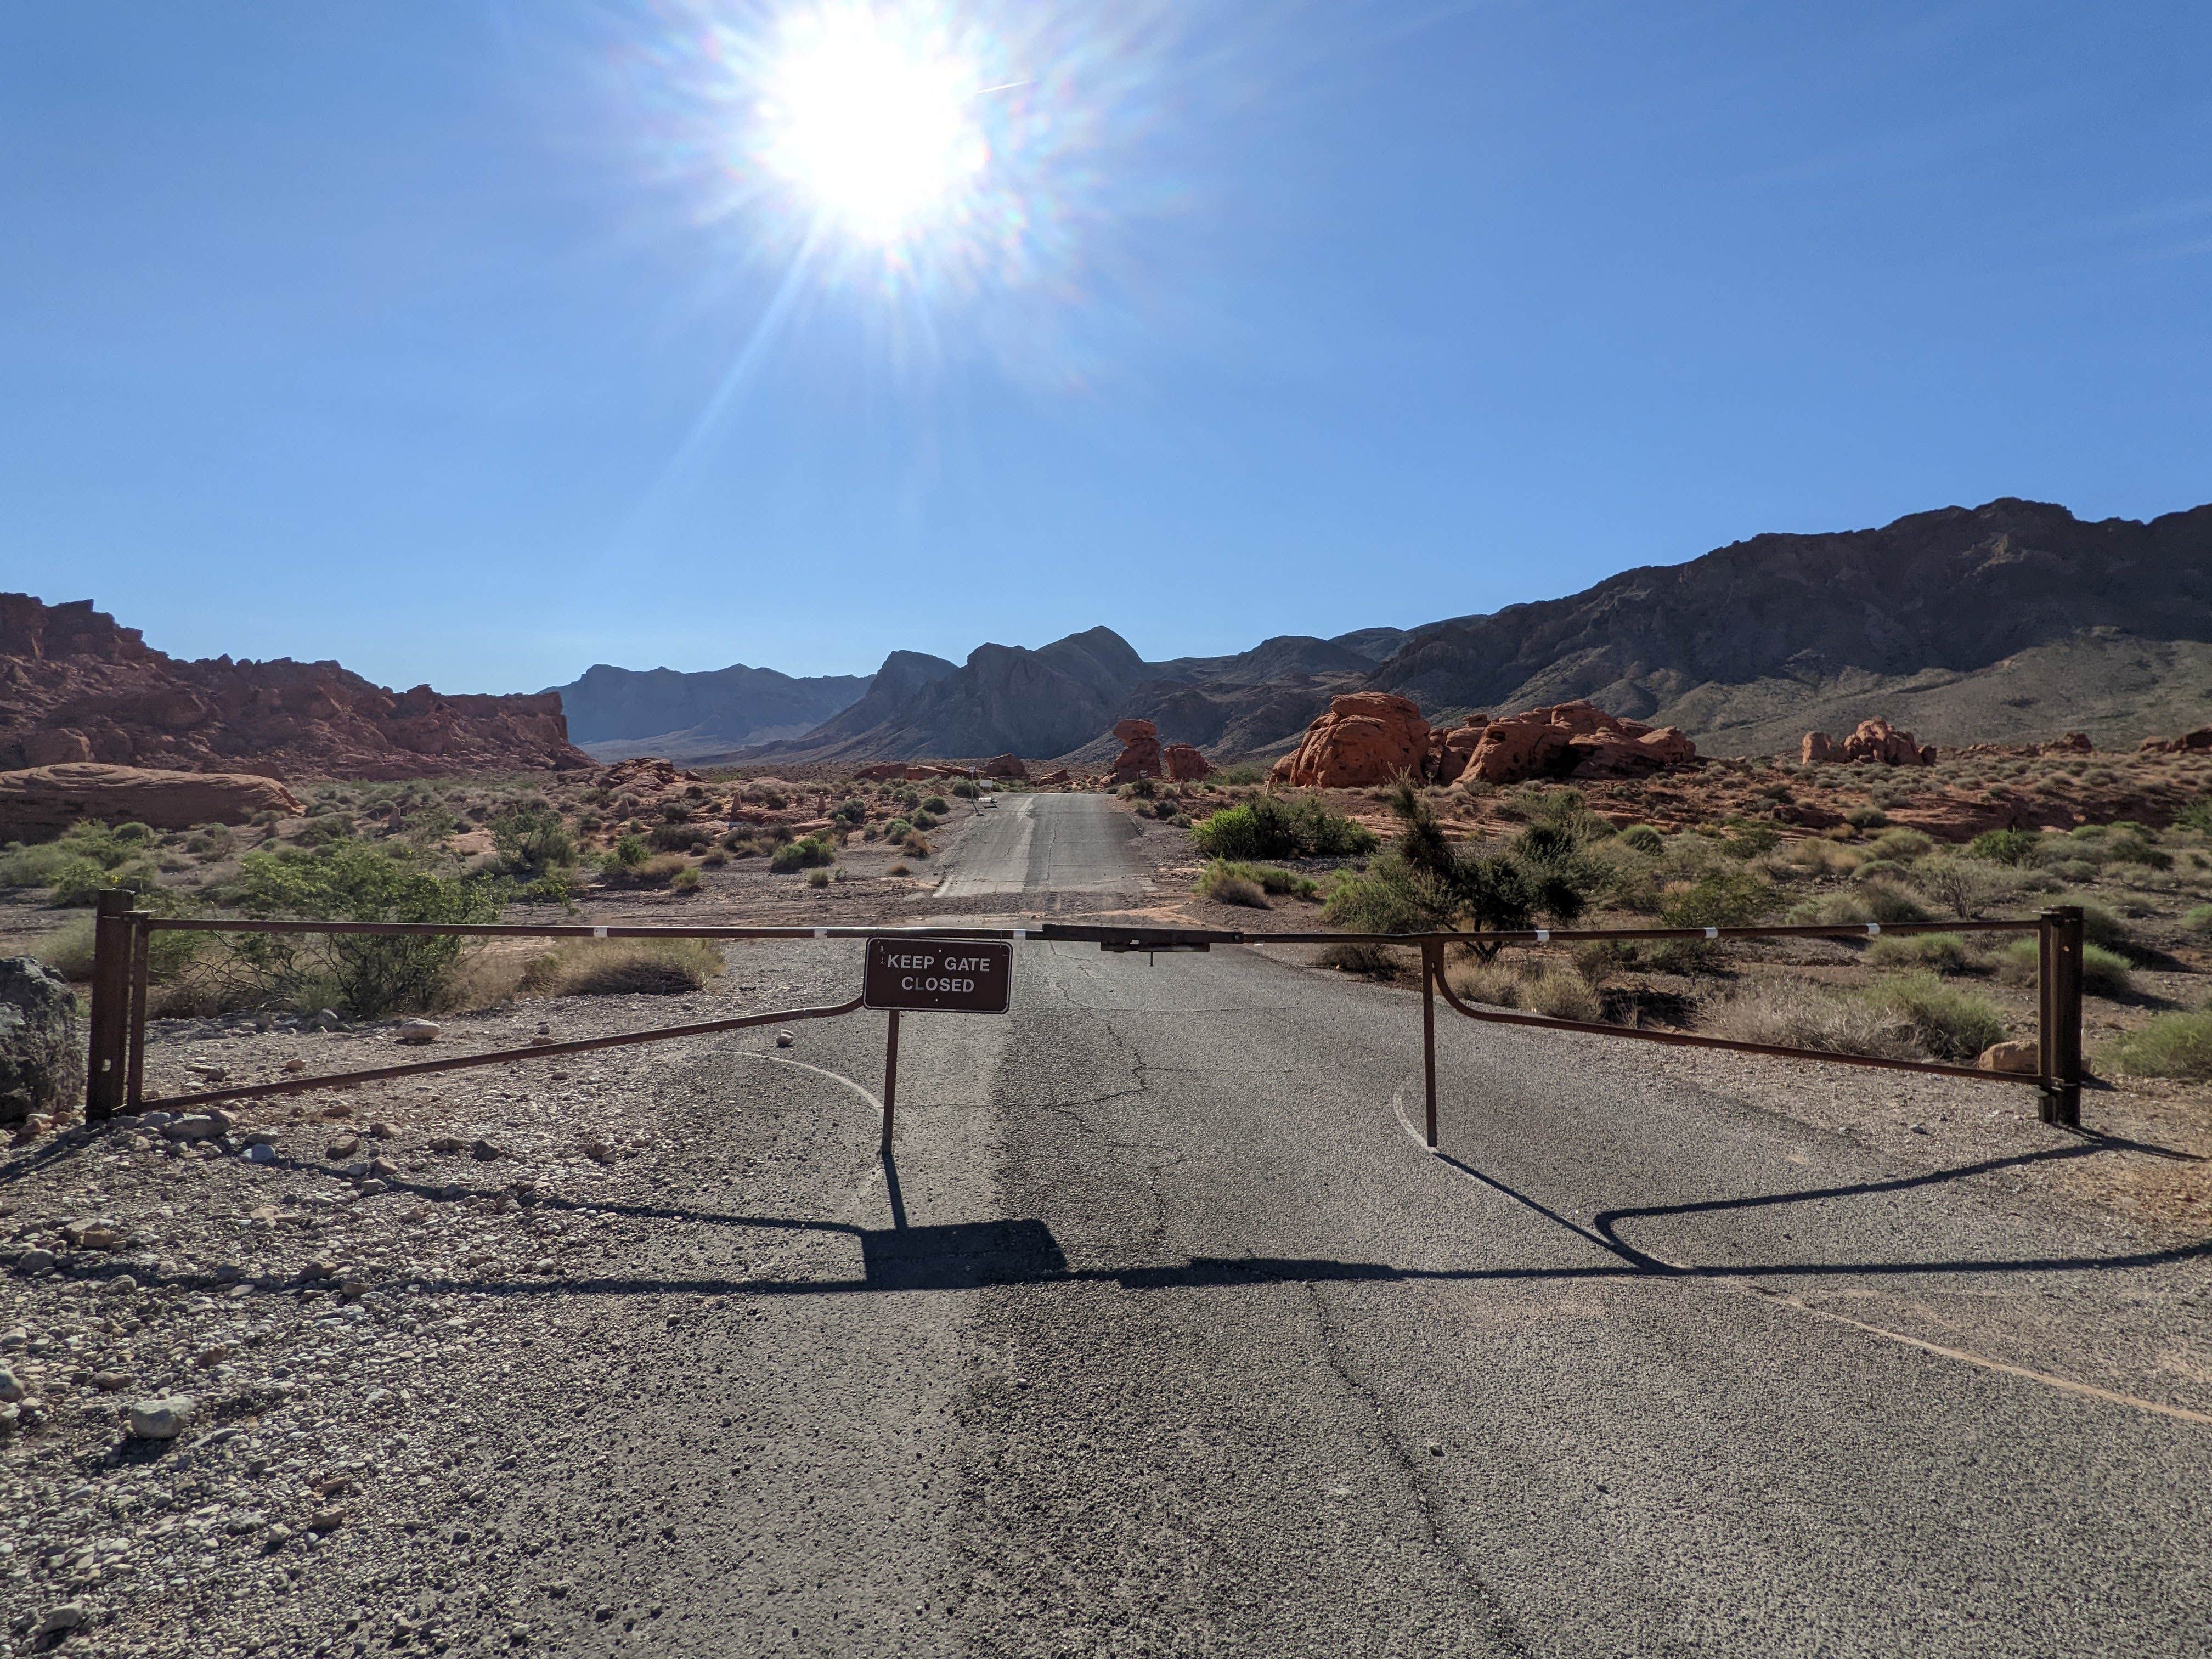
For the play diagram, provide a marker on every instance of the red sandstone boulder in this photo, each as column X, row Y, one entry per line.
column 1061, row 776
column 1184, row 764
column 1366, row 738
column 1450, row 750
column 1875, row 742
column 1140, row 750
column 2200, row 738
column 1006, row 765
column 43, row 801
column 1574, row 739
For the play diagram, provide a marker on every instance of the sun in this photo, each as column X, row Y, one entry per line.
column 871, row 120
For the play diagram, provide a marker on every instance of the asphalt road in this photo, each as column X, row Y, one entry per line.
column 1165, row 1335
column 1046, row 851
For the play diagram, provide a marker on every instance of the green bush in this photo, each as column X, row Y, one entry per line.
column 1721, row 898
column 1901, row 846
column 2198, row 920
column 1951, row 1024
column 967, row 789
column 366, row 975
column 1643, row 838
column 2172, row 1045
column 1873, row 901
column 630, row 852
column 1867, row 817
column 2005, row 845
column 1225, row 884
column 676, row 837
column 938, row 804
column 2104, row 973
column 2196, row 816
column 1272, row 827
column 1422, row 884
column 1942, row 953
column 1260, row 877
column 852, row 811
column 806, row 853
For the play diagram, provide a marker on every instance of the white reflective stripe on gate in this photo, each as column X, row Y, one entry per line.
column 1873, row 927
column 822, row 932
column 1712, row 933
column 598, row 933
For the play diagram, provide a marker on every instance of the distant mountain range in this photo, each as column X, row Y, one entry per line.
column 2008, row 621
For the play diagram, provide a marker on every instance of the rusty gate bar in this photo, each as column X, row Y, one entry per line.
column 497, row 1057
column 2059, row 983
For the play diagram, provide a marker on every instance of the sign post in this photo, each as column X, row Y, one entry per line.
column 942, row 975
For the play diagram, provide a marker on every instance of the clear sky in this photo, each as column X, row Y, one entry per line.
column 477, row 342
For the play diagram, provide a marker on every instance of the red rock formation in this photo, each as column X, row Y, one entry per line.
column 1876, row 741
column 1140, row 750
column 1574, row 739
column 1005, row 766
column 76, row 687
column 1184, row 764
column 1365, row 739
column 39, row 803
column 1061, row 776
column 1449, row 751
column 2200, row 738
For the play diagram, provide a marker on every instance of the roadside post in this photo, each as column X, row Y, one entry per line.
column 112, row 948
column 939, row 975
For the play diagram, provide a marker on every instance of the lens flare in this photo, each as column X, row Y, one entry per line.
column 873, row 123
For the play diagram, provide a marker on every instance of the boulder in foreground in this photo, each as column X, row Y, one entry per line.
column 41, row 1041
column 42, row 801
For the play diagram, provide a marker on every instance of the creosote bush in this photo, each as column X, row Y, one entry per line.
column 806, row 853
column 1276, row 827
column 622, row 967
column 2172, row 1045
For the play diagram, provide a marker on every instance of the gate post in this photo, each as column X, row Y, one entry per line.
column 2059, row 984
column 1431, row 965
column 890, row 1080
column 106, row 1062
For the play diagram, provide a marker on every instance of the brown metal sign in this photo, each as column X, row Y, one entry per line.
column 956, row 976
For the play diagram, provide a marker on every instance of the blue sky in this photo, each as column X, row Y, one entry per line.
column 461, row 342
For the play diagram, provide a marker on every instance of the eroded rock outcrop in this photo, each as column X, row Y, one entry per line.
column 1184, row 764
column 1140, row 750
column 1876, row 742
column 74, row 686
column 1366, row 738
column 1574, row 739
column 41, row 1041
column 1005, row 766
column 40, row 802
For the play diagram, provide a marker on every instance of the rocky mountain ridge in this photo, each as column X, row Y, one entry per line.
column 75, row 686
column 616, row 712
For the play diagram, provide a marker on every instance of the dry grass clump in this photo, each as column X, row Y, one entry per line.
column 622, row 967
column 1792, row 1014
column 2172, row 1045
column 1548, row 988
column 1942, row 953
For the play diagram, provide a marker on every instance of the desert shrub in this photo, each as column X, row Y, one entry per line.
column 1221, row 882
column 2104, row 972
column 967, row 789
column 1565, row 810
column 2199, row 919
column 1968, row 888
column 2135, row 849
column 622, row 967
column 658, row 870
column 1951, row 1023
column 68, row 949
column 1273, row 827
column 1867, row 817
column 1643, row 838
column 1496, row 983
column 1422, row 883
column 685, row 880
column 928, row 821
column 917, row 844
column 2196, row 816
column 817, row 877
column 851, row 812
column 1746, row 839
column 1814, row 857
column 553, row 887
column 1371, row 961
column 2005, row 845
column 1140, row 789
column 365, row 975
column 2172, row 1045
column 902, row 869
column 1167, row 809
column 1560, row 993
column 898, row 830
column 1876, row 900
column 532, row 840
column 1223, row 875
column 1720, row 898
column 802, row 854
column 2100, row 925
column 1792, row 1014
column 938, row 804
column 1900, row 844
column 1941, row 953
column 631, row 851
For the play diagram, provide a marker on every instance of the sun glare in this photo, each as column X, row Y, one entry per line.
column 872, row 124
